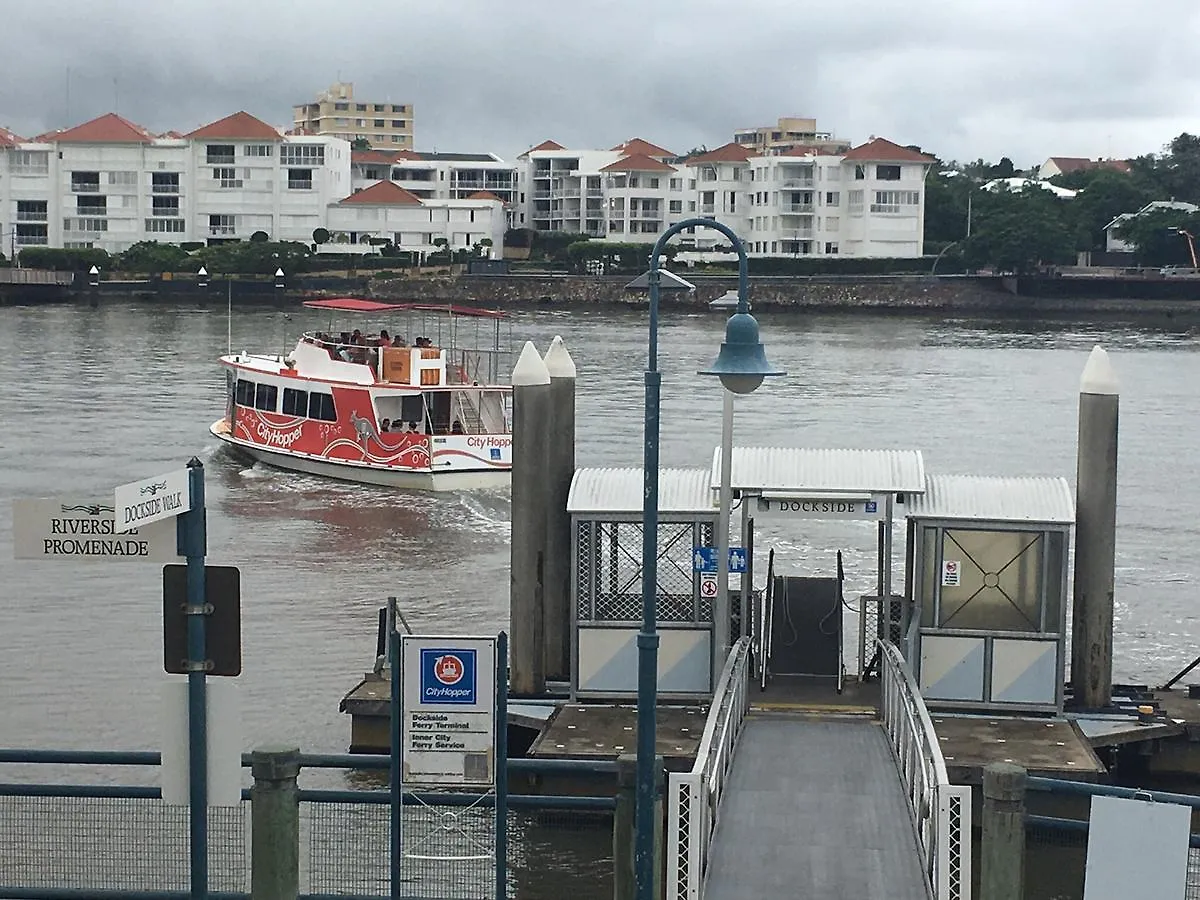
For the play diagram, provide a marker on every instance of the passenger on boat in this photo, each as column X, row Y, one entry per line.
column 385, row 340
column 456, row 428
column 423, row 342
column 385, row 425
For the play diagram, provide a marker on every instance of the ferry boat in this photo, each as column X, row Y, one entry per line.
column 415, row 408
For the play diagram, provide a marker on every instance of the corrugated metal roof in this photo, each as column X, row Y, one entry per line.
column 619, row 491
column 796, row 469
column 994, row 499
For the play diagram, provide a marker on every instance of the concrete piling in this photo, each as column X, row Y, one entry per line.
column 275, row 824
column 1095, row 534
column 530, row 488
column 560, row 469
column 1002, row 843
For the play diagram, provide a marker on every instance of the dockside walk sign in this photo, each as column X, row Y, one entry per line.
column 449, row 726
column 151, row 500
column 85, row 529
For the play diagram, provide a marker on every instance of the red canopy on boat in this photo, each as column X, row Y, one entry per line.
column 352, row 304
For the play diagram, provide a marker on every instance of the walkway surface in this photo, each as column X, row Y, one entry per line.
column 814, row 809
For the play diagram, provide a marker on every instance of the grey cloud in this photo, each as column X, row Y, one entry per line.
column 1022, row 78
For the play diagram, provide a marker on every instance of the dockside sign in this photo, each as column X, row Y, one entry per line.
column 84, row 529
column 821, row 507
column 151, row 500
column 449, row 710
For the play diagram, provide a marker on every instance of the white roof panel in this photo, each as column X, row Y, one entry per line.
column 994, row 499
column 800, row 470
column 620, row 491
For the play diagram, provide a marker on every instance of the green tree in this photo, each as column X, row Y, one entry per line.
column 246, row 258
column 946, row 199
column 74, row 260
column 1158, row 236
column 153, row 258
column 360, row 143
column 1016, row 231
column 1103, row 195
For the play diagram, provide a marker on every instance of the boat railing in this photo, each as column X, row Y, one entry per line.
column 465, row 366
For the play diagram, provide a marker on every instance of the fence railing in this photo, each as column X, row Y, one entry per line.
column 941, row 812
column 694, row 798
column 68, row 840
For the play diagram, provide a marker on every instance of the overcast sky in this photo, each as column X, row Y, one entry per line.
column 962, row 78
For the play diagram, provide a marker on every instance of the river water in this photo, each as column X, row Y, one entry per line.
column 95, row 397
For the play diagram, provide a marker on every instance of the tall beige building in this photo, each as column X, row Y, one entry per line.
column 386, row 126
column 790, row 132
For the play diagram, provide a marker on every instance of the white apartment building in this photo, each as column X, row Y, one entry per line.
column 437, row 176
column 109, row 183
column 865, row 202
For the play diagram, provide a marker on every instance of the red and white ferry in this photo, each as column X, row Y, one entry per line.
column 411, row 408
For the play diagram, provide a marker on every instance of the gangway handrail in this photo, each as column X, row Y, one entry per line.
column 694, row 797
column 940, row 811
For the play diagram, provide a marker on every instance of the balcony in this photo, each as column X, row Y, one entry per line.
column 707, row 209
column 794, row 183
column 300, row 184
column 222, row 230
column 541, row 195
column 164, row 189
column 31, row 240
column 564, row 192
column 796, row 208
column 165, row 211
column 220, row 159
column 85, row 187
column 798, row 234
column 31, row 216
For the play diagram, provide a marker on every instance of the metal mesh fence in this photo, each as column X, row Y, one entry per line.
column 614, row 555
column 115, row 844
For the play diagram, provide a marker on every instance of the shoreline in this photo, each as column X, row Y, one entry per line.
column 953, row 295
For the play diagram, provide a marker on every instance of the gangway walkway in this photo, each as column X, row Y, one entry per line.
column 814, row 807
column 826, row 805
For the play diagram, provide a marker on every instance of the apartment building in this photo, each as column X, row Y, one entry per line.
column 790, row 133
column 438, row 176
column 338, row 113
column 865, row 202
column 110, row 183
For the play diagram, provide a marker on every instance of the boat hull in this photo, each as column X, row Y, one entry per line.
column 362, row 473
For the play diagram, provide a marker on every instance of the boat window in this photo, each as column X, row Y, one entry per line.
column 244, row 392
column 295, row 403
column 266, row 397
column 320, row 406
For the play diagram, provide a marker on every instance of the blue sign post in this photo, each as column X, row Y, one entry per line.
column 193, row 543
column 704, row 559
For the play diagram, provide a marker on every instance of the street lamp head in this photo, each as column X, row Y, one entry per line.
column 742, row 363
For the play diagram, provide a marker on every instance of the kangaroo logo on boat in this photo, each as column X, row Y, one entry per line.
column 448, row 676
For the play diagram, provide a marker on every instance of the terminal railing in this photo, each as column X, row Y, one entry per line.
column 694, row 797
column 941, row 812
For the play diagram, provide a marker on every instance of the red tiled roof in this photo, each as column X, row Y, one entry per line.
column 1068, row 164
column 241, row 126
column 637, row 147
column 882, row 150
column 170, row 134
column 544, row 145
column 106, row 129
column 384, row 193
column 731, row 153
column 639, row 162
column 483, row 195
column 8, row 139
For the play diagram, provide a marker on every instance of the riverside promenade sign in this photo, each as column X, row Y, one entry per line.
column 84, row 529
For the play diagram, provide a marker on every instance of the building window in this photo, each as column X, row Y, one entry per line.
column 31, row 211
column 396, row 139
column 31, row 235
column 677, row 206
column 221, row 225
column 379, row 123
column 832, row 198
column 855, row 201
column 397, row 123
column 302, row 154
column 164, row 182
column 88, row 224
column 341, row 123
column 243, row 392
column 360, row 107
column 85, row 182
column 227, row 178
column 92, row 206
column 654, row 183
column 258, row 150
column 831, row 248
column 860, row 173
column 300, row 179
column 892, row 201
column 219, row 155
column 123, row 178
column 30, row 162
column 165, row 206
column 342, row 107
column 708, row 173
column 676, row 184
column 887, row 173
column 165, row 226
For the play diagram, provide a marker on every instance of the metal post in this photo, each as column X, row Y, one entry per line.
column 501, row 766
column 1095, row 534
column 647, row 639
column 623, row 830
column 396, row 775
column 721, row 610
column 195, row 547
column 1002, row 846
column 275, row 824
